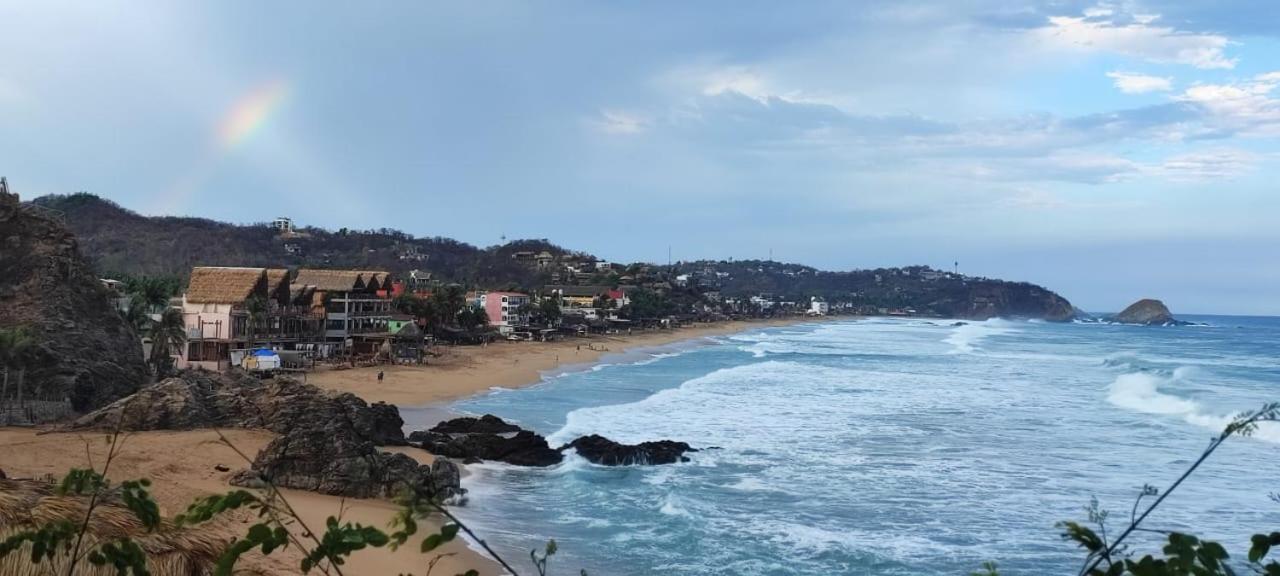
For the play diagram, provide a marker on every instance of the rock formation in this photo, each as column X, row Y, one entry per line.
column 196, row 399
column 84, row 350
column 601, row 450
column 1148, row 311
column 327, row 442
column 487, row 438
column 492, row 438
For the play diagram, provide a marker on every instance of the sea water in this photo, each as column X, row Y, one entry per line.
column 890, row 446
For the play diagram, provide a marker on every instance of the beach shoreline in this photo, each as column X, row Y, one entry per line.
column 165, row 457
column 464, row 371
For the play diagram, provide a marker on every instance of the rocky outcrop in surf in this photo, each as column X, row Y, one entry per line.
column 486, row 438
column 83, row 349
column 1148, row 312
column 601, row 450
column 491, row 438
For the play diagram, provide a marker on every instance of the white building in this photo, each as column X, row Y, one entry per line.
column 818, row 307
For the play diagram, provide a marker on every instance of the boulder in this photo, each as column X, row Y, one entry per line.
column 1148, row 312
column 601, row 450
column 326, row 442
column 487, row 424
column 196, row 399
column 486, row 438
column 84, row 350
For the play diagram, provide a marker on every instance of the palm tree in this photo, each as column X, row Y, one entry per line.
column 153, row 292
column 256, row 306
column 167, row 335
column 137, row 314
column 16, row 345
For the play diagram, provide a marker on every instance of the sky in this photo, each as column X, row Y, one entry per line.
column 1109, row 151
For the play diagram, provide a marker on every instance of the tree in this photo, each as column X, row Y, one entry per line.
column 256, row 306
column 153, row 291
column 136, row 315
column 16, row 346
column 167, row 335
column 473, row 318
column 448, row 303
column 549, row 311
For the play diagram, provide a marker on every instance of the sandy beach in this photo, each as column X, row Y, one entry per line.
column 462, row 371
column 182, row 465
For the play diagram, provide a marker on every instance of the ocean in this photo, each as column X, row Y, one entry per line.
column 889, row 446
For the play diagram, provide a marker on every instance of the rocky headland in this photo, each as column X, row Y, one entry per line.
column 83, row 350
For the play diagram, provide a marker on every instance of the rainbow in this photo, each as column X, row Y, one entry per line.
column 238, row 124
column 250, row 113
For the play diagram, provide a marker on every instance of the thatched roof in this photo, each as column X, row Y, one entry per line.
column 278, row 283
column 301, row 293
column 328, row 280
column 218, row 285
column 376, row 280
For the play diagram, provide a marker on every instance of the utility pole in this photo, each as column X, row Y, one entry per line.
column 957, row 265
column 668, row 255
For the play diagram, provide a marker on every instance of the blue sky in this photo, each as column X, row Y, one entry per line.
column 1110, row 151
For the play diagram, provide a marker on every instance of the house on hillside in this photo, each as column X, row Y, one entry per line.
column 818, row 307
column 576, row 296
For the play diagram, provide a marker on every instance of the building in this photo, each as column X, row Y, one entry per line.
column 228, row 310
column 356, row 304
column 578, row 296
column 503, row 309
column 283, row 224
column 818, row 307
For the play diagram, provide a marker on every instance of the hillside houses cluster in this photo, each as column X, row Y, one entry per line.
column 306, row 315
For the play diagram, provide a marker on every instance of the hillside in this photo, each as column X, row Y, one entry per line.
column 119, row 241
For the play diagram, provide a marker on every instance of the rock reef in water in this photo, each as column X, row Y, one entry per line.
column 84, row 350
column 326, row 442
column 601, row 450
column 1148, row 312
column 486, row 438
column 492, row 438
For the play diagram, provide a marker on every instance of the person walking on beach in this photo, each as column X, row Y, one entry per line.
column 380, row 376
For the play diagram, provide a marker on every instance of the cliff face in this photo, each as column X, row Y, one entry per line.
column 991, row 299
column 84, row 349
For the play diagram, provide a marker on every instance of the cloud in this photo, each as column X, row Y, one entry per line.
column 1140, row 83
column 620, row 122
column 1134, row 35
column 1207, row 165
column 1245, row 107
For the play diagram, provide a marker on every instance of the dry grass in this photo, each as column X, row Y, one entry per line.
column 171, row 550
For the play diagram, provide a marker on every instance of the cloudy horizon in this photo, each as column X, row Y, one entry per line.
column 1107, row 150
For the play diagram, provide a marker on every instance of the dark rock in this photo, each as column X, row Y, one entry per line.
column 336, row 460
column 234, row 399
column 84, row 350
column 524, row 448
column 327, row 442
column 1149, row 312
column 601, row 450
column 222, row 468
column 2, row 476
column 487, row 424
column 486, row 438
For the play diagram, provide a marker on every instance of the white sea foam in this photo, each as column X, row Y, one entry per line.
column 1140, row 391
column 965, row 339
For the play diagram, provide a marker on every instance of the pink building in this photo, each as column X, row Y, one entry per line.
column 503, row 309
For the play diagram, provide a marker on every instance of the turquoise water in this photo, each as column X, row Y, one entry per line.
column 886, row 446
